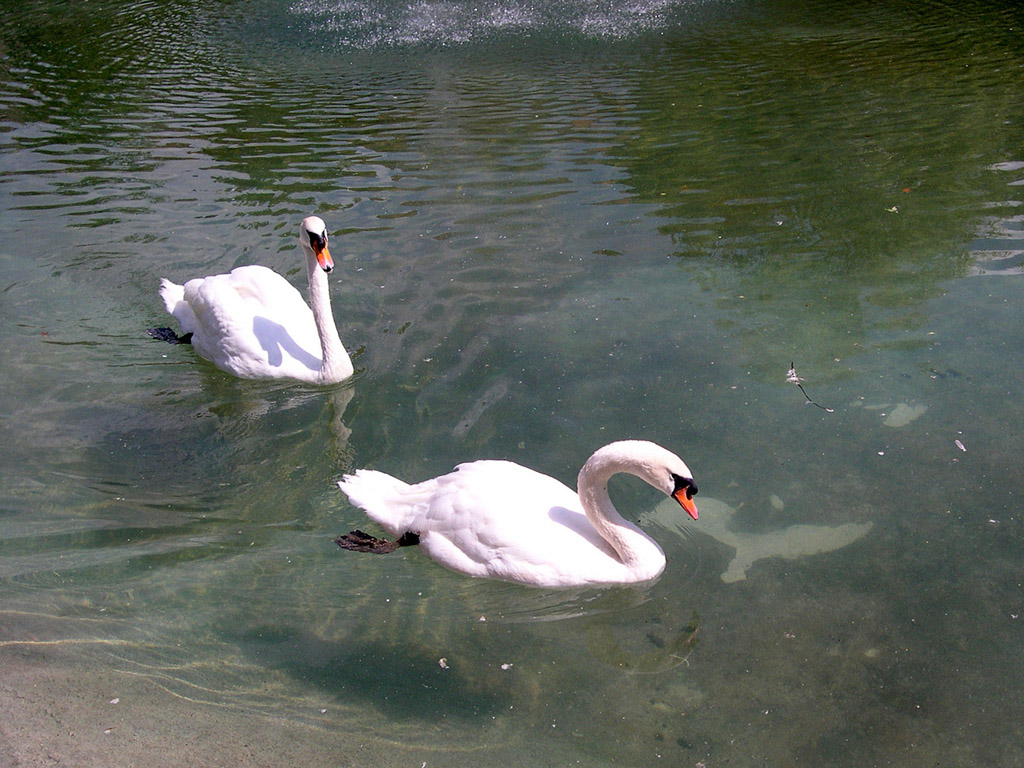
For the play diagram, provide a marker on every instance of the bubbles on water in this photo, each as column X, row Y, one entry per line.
column 375, row 23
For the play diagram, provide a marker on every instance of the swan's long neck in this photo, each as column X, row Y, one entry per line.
column 335, row 363
column 631, row 544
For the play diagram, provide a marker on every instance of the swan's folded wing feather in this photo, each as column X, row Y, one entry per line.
column 251, row 322
column 502, row 520
column 443, row 550
column 223, row 318
column 264, row 290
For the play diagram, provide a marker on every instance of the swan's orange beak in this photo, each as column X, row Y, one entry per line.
column 686, row 502
column 323, row 258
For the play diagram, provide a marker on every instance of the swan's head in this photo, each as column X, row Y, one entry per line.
column 683, row 492
column 650, row 462
column 669, row 473
column 313, row 236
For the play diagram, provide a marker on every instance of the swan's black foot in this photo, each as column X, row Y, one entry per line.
column 168, row 335
column 357, row 541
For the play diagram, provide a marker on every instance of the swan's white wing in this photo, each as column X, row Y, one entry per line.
column 251, row 322
column 501, row 520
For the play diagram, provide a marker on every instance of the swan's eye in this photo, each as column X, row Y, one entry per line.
column 684, row 483
column 318, row 243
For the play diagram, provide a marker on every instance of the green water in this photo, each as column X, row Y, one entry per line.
column 554, row 227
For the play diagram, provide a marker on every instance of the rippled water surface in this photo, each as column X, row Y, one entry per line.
column 555, row 225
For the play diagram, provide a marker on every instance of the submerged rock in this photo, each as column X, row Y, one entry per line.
column 903, row 414
column 494, row 394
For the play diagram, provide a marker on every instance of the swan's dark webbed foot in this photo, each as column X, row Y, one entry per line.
column 168, row 335
column 357, row 541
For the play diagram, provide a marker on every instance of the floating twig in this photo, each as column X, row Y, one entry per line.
column 792, row 378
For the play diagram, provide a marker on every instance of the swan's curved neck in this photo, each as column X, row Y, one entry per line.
column 631, row 544
column 335, row 363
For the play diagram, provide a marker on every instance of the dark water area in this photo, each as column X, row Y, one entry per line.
column 555, row 225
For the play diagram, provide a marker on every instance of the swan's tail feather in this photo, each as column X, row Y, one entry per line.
column 171, row 293
column 174, row 300
column 381, row 496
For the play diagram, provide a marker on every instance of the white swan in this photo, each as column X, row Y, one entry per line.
column 253, row 323
column 499, row 520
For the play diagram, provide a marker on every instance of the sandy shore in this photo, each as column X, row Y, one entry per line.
column 59, row 712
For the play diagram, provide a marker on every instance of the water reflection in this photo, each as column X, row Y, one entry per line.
column 736, row 168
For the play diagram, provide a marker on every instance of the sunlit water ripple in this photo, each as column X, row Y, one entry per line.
column 555, row 225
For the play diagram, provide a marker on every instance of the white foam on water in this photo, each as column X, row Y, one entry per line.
column 369, row 23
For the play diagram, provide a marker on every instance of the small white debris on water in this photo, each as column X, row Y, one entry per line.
column 442, row 663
